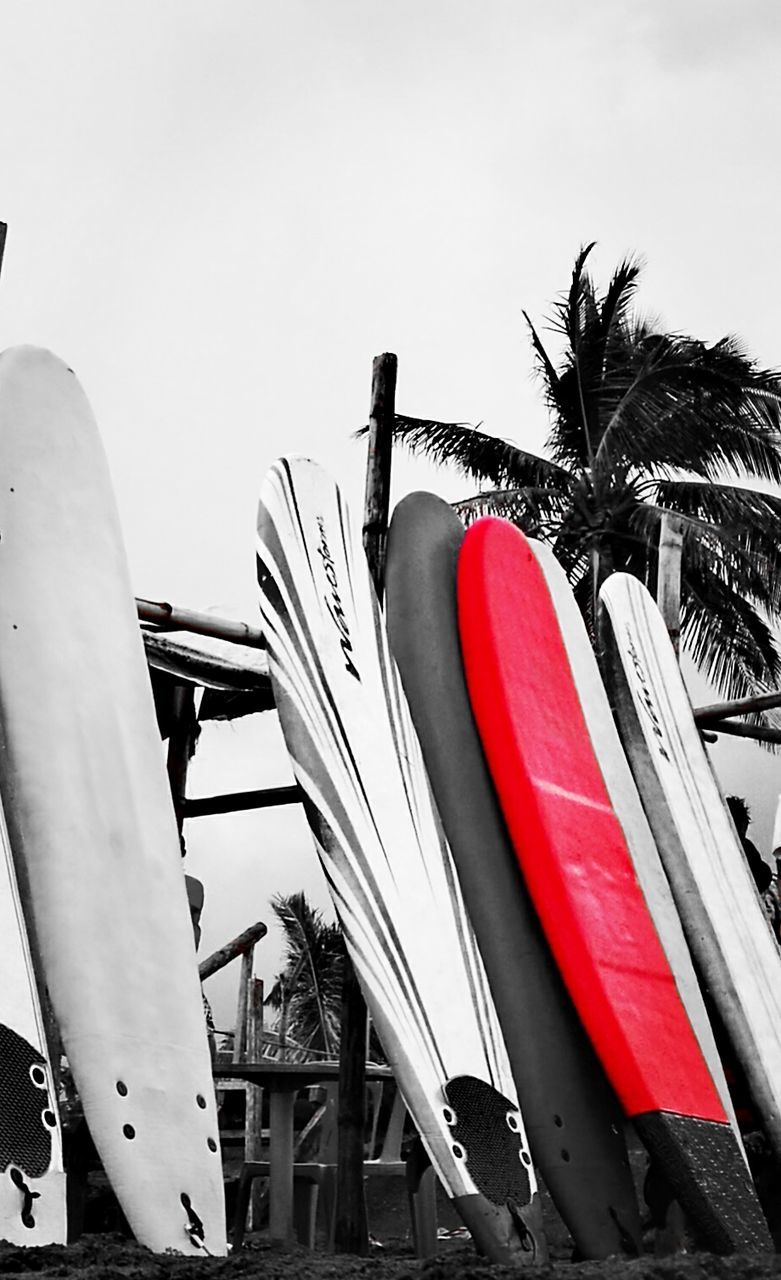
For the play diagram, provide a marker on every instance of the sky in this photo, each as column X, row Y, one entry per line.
column 219, row 211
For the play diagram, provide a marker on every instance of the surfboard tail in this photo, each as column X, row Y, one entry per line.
column 708, row 1176
column 510, row 1234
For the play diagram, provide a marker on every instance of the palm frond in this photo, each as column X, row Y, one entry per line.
column 537, row 511
column 311, row 982
column 702, row 409
column 737, row 530
column 728, row 639
column 476, row 454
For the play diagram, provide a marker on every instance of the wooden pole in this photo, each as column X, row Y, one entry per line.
column 180, row 744
column 378, row 466
column 668, row 583
column 238, row 946
column 739, row 707
column 351, row 1232
column 253, row 1120
column 242, row 1009
column 734, row 728
column 201, row 624
column 239, row 800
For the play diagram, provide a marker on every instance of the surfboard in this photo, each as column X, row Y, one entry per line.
column 32, row 1180
column 573, row 1120
column 357, row 759
column 580, row 874
column 90, row 819
column 628, row 807
column 728, row 931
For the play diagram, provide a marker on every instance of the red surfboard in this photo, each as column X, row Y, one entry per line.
column 572, row 851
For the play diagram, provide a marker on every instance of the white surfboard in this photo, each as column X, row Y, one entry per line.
column 32, row 1180
column 357, row 759
column 728, row 932
column 628, row 807
column 90, row 817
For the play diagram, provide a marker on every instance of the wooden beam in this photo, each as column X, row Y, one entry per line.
column 378, row 466
column 172, row 617
column 239, row 800
column 736, row 729
column 668, row 581
column 738, row 707
column 238, row 946
column 180, row 747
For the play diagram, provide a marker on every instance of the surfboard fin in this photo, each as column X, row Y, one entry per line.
column 510, row 1234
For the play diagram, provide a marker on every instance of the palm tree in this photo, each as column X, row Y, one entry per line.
column 642, row 423
column 307, row 994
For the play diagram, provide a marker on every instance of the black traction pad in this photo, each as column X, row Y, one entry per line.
column 25, row 1139
column 486, row 1133
column 706, row 1171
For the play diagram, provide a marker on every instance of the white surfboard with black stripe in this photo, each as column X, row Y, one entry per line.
column 728, row 932
column 357, row 759
column 32, row 1179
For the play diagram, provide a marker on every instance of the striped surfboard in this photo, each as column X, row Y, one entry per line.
column 32, row 1180
column 356, row 757
column 729, row 933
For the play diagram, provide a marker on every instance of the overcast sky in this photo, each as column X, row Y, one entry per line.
column 220, row 210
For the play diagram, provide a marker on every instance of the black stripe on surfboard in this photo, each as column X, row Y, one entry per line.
column 269, row 536
column 373, row 908
column 399, row 722
column 289, row 492
column 407, row 747
column 309, row 662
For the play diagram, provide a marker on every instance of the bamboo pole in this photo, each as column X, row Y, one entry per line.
column 738, row 707
column 378, row 466
column 238, row 946
column 734, row 728
column 351, row 1232
column 668, row 582
column 240, row 800
column 202, row 624
column 253, row 1119
column 240, row 1033
column 180, row 744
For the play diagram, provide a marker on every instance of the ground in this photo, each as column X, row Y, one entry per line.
column 113, row 1256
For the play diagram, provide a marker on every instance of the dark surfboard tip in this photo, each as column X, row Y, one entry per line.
column 709, row 1177
column 512, row 1235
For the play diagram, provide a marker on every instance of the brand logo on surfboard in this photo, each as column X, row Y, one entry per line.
column 646, row 701
column 334, row 605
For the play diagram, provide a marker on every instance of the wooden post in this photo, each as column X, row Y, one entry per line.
column 238, row 946
column 242, row 1009
column 180, row 744
column 378, row 466
column 253, row 1121
column 351, row 1232
column 668, row 582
